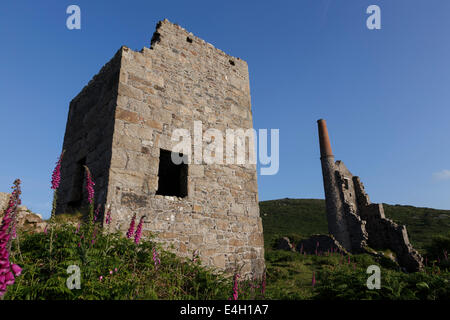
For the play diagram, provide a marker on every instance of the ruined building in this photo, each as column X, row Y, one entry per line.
column 352, row 219
column 120, row 126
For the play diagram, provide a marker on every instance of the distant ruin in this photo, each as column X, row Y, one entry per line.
column 120, row 126
column 353, row 220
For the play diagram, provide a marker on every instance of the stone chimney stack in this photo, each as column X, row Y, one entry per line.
column 324, row 140
column 337, row 225
column 353, row 220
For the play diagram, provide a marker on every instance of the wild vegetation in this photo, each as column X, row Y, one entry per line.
column 113, row 266
column 291, row 275
column 304, row 217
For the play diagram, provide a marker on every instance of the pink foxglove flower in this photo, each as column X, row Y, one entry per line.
column 130, row 231
column 8, row 271
column 9, row 278
column 16, row 269
column 235, row 287
column 263, row 285
column 13, row 231
column 314, row 279
column 89, row 185
column 137, row 236
column 97, row 211
column 56, row 175
column 108, row 216
column 156, row 259
column 195, row 256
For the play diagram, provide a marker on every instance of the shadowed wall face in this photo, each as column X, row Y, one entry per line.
column 88, row 139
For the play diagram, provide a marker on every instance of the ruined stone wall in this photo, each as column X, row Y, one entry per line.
column 384, row 233
column 88, row 138
column 350, row 210
column 4, row 200
column 367, row 224
column 352, row 219
column 179, row 80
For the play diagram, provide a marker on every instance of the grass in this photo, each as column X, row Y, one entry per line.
column 304, row 217
column 137, row 277
column 289, row 274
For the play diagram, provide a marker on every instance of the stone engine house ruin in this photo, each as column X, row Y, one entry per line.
column 120, row 126
column 353, row 220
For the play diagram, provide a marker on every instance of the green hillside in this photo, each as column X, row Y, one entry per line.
column 289, row 274
column 304, row 217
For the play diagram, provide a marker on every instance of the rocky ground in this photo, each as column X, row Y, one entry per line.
column 27, row 220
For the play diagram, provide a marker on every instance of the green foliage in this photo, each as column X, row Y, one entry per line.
column 439, row 249
column 292, row 217
column 305, row 217
column 289, row 274
column 422, row 223
column 345, row 283
column 44, row 276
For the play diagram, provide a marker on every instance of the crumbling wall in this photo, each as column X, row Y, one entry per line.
column 384, row 233
column 352, row 219
column 355, row 225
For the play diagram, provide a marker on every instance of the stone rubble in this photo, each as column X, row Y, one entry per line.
column 27, row 221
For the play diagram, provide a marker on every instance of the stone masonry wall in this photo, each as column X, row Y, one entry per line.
column 355, row 225
column 88, row 138
column 337, row 222
column 179, row 80
column 384, row 233
column 367, row 224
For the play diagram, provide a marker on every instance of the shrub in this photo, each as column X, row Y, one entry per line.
column 113, row 267
column 343, row 283
column 438, row 251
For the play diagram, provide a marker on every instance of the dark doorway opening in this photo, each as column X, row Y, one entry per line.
column 172, row 178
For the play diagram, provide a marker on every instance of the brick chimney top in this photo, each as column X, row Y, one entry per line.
column 324, row 139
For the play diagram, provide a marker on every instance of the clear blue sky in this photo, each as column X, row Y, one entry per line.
column 384, row 93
